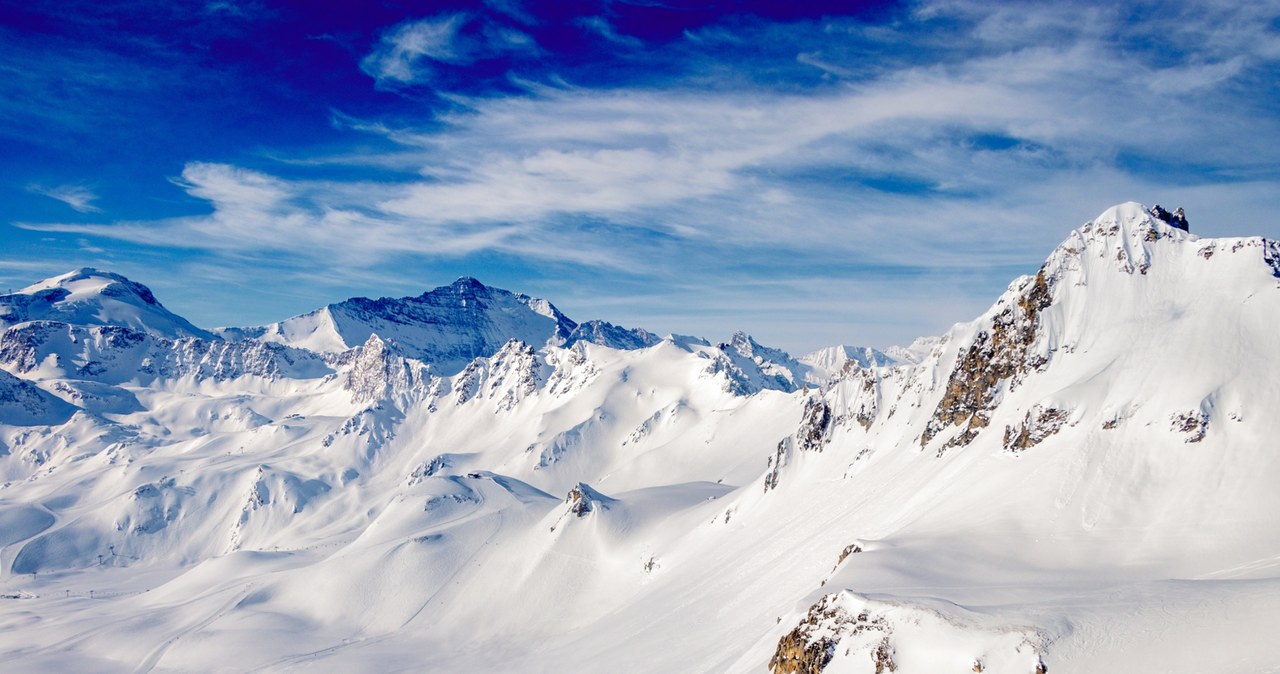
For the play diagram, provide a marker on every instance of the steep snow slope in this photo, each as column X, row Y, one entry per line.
column 1081, row 479
column 91, row 297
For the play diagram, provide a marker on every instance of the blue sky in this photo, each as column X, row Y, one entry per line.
column 810, row 172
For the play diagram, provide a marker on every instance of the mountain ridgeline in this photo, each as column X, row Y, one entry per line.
column 445, row 328
column 468, row 480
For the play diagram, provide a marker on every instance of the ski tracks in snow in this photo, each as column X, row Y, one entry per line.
column 149, row 662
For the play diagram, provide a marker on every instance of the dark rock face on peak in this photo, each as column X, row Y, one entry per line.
column 467, row 283
column 1178, row 218
column 1271, row 256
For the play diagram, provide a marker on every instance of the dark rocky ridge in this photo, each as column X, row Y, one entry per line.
column 996, row 356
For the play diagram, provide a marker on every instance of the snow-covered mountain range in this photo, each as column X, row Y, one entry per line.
column 445, row 328
column 1082, row 479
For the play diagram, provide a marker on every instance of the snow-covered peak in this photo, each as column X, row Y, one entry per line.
column 87, row 281
column 914, row 352
column 746, row 345
column 1125, row 235
column 90, row 296
column 447, row 327
column 612, row 336
column 469, row 289
column 750, row 366
column 836, row 359
column 1135, row 240
column 378, row 371
column 1126, row 268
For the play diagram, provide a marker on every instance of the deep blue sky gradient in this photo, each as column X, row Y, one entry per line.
column 811, row 172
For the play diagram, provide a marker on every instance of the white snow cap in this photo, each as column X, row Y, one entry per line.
column 89, row 296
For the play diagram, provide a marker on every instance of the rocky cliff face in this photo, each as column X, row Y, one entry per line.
column 812, row 435
column 815, row 641
column 1000, row 356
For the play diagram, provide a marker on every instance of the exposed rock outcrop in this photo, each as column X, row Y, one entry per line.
column 816, row 422
column 378, row 371
column 1271, row 255
column 996, row 356
column 583, row 500
column 1039, row 423
column 850, row 549
column 23, row 403
column 1194, row 424
column 1178, row 218
column 612, row 336
column 842, row 631
column 815, row 425
column 811, row 646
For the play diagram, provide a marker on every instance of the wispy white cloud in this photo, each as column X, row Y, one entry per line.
column 815, row 59
column 601, row 26
column 410, row 51
column 1194, row 77
column 402, row 49
column 78, row 197
column 25, row 265
column 88, row 247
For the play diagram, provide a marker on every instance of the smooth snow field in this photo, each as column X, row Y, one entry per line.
column 1084, row 479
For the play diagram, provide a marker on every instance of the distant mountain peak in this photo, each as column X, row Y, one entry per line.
column 840, row 358
column 610, row 335
column 89, row 296
column 446, row 327
column 86, row 279
column 467, row 282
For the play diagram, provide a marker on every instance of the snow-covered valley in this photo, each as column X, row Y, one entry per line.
column 1082, row 479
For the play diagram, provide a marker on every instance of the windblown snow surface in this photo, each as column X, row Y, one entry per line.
column 1083, row 479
